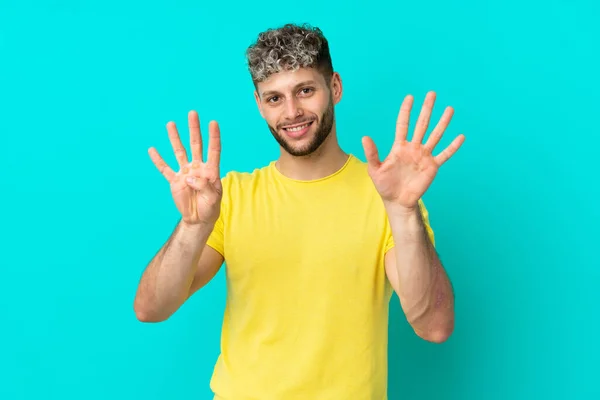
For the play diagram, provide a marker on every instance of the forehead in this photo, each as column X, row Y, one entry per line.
column 286, row 81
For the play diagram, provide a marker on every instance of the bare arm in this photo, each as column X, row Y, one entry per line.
column 402, row 178
column 418, row 277
column 183, row 265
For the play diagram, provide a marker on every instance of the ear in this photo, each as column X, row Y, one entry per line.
column 258, row 103
column 336, row 87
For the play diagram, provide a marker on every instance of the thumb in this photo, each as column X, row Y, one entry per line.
column 371, row 152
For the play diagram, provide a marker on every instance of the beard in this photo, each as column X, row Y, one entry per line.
column 323, row 131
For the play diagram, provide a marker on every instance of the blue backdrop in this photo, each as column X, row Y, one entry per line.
column 87, row 87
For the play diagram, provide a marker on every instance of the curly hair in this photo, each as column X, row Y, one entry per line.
column 288, row 48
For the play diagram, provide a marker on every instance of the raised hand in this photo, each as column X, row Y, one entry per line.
column 196, row 187
column 409, row 169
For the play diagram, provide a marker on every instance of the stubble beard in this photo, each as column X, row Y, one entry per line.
column 323, row 131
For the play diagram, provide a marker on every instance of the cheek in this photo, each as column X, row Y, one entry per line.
column 321, row 107
column 270, row 116
column 273, row 119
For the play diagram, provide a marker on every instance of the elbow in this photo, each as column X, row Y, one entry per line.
column 435, row 326
column 146, row 317
column 439, row 336
column 144, row 314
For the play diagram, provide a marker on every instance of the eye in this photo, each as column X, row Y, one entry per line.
column 272, row 99
column 307, row 90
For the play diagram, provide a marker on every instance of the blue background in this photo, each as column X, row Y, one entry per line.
column 87, row 87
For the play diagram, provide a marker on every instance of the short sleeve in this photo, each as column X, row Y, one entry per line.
column 216, row 240
column 424, row 216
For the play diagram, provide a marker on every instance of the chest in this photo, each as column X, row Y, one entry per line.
column 307, row 241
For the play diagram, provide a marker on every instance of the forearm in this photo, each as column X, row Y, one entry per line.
column 424, row 289
column 166, row 282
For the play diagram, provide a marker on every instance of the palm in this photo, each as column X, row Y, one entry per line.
column 193, row 204
column 198, row 202
column 409, row 169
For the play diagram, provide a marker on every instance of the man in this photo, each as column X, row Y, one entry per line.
column 314, row 243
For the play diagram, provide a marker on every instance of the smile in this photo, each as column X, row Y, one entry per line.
column 298, row 128
column 298, row 131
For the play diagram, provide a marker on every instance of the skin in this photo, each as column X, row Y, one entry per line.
column 292, row 97
column 402, row 178
column 185, row 264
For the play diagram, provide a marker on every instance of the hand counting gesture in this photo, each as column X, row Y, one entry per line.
column 196, row 187
column 410, row 167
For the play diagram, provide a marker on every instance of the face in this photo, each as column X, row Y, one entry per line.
column 298, row 108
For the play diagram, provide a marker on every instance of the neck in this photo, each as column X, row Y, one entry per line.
column 326, row 160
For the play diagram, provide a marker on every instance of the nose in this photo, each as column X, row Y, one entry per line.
column 293, row 109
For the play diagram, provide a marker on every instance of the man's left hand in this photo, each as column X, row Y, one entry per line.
column 409, row 169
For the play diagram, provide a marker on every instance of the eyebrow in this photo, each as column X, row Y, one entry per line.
column 303, row 83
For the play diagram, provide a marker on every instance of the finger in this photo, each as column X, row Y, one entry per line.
column 371, row 153
column 195, row 137
column 403, row 119
column 180, row 153
column 161, row 165
column 424, row 117
column 438, row 131
column 450, row 150
column 214, row 145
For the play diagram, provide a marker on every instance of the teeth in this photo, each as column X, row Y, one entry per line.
column 298, row 128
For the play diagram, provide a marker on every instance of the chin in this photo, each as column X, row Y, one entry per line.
column 304, row 147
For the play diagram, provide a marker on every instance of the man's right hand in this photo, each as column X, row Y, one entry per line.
column 196, row 187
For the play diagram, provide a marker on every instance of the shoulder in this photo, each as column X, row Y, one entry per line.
column 358, row 176
column 242, row 177
column 234, row 181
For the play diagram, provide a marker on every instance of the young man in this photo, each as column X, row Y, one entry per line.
column 314, row 243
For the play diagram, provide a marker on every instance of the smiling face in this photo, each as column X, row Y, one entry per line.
column 298, row 108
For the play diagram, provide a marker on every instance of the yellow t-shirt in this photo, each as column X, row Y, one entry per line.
column 306, row 313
